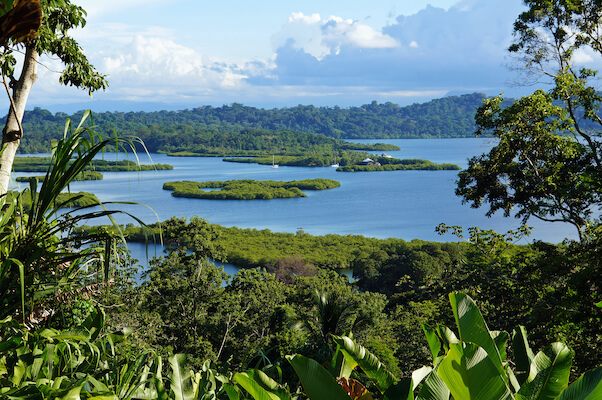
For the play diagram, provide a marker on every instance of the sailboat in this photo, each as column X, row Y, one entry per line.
column 335, row 164
column 274, row 165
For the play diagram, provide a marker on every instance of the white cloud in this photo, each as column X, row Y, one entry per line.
column 584, row 56
column 321, row 37
column 157, row 62
column 317, row 60
column 462, row 48
column 338, row 32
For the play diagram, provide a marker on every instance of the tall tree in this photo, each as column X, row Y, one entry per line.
column 547, row 163
column 59, row 16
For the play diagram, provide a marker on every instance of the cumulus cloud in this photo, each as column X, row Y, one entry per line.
column 319, row 60
column 462, row 48
column 151, row 65
column 321, row 37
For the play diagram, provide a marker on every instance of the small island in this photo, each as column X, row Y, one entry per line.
column 247, row 189
column 351, row 161
column 394, row 164
column 40, row 164
column 82, row 176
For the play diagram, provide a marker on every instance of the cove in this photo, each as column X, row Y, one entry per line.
column 400, row 204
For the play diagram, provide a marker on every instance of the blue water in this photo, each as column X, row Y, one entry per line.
column 400, row 204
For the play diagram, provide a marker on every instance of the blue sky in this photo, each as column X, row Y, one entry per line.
column 189, row 53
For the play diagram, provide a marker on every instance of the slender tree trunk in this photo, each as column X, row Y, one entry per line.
column 12, row 133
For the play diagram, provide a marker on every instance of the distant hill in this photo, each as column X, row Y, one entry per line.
column 447, row 117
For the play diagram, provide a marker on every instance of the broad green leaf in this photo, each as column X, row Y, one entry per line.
column 19, row 372
column 432, row 340
column 94, row 322
column 402, row 390
column 500, row 338
column 161, row 390
column 180, row 379
column 587, row 387
column 73, row 394
column 472, row 328
column 367, row 361
column 268, row 383
column 470, row 374
column 447, row 336
column 340, row 366
column 254, row 388
column 419, row 375
column 10, row 343
column 434, row 388
column 317, row 382
column 549, row 374
column 6, row 6
column 523, row 355
column 232, row 391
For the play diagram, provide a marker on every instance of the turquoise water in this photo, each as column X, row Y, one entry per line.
column 401, row 204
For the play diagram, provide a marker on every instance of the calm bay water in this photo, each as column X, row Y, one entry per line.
column 400, row 204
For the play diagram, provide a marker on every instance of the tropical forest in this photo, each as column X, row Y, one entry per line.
column 478, row 314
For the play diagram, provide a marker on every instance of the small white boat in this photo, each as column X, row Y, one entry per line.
column 274, row 165
column 335, row 164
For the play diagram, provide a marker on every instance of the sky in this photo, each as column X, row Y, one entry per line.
column 188, row 53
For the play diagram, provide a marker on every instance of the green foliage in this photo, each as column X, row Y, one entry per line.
column 350, row 161
column 393, row 164
column 317, row 382
column 247, row 189
column 40, row 255
column 83, row 176
column 65, row 200
column 31, row 251
column 476, row 367
column 471, row 367
column 532, row 169
column 47, row 363
column 552, row 289
column 39, row 164
column 60, row 16
column 249, row 248
column 547, row 163
column 237, row 130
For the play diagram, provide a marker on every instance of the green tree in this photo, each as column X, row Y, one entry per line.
column 59, row 16
column 547, row 163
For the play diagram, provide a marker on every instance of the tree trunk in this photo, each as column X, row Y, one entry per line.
column 12, row 133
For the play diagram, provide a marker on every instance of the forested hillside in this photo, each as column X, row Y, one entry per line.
column 230, row 126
